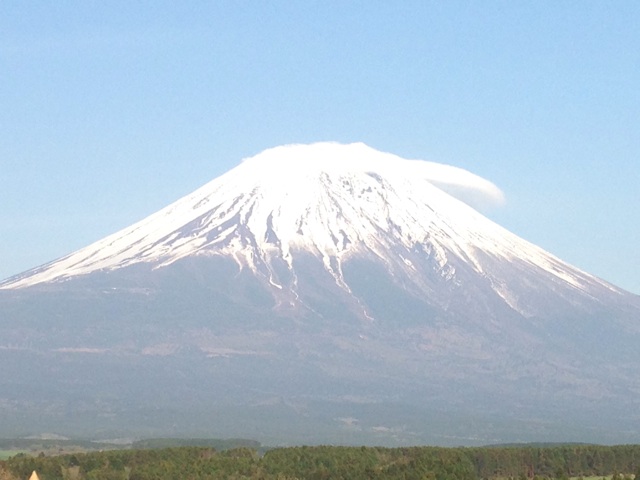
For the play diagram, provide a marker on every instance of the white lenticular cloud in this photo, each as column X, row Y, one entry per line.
column 464, row 185
column 329, row 156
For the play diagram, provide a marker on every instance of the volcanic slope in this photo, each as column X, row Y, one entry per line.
column 332, row 201
column 341, row 275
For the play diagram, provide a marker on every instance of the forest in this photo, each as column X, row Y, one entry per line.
column 333, row 462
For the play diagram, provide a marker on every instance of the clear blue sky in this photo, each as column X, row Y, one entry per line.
column 111, row 110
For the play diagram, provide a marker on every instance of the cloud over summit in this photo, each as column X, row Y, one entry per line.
column 313, row 158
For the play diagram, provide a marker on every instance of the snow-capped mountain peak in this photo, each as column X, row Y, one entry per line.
column 333, row 201
column 330, row 275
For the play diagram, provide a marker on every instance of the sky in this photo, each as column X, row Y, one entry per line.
column 111, row 110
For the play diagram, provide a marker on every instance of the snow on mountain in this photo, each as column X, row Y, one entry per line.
column 341, row 280
column 331, row 200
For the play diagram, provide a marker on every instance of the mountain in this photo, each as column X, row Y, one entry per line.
column 322, row 292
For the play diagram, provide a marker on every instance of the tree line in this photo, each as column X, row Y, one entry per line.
column 331, row 462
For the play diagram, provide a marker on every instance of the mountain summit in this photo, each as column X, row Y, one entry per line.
column 323, row 278
column 328, row 199
column 335, row 202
